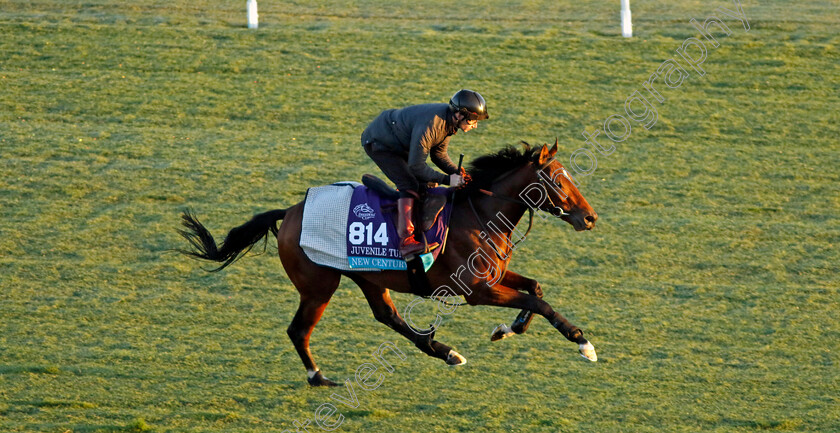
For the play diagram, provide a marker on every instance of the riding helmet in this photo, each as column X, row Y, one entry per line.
column 470, row 104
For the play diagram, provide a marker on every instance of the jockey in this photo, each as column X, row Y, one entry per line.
column 400, row 140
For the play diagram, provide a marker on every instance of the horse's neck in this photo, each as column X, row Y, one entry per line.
column 498, row 216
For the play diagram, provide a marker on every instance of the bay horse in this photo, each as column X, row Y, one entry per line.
column 475, row 257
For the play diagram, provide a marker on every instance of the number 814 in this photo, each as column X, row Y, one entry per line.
column 359, row 232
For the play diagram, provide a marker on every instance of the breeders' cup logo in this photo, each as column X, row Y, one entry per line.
column 363, row 211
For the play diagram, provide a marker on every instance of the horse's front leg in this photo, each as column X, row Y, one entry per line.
column 523, row 320
column 503, row 296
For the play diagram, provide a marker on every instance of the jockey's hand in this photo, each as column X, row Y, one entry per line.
column 455, row 180
column 466, row 176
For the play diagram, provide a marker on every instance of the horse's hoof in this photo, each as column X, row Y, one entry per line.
column 588, row 351
column 455, row 358
column 501, row 331
column 319, row 380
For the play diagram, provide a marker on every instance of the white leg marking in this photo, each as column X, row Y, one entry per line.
column 455, row 358
column 501, row 331
column 588, row 351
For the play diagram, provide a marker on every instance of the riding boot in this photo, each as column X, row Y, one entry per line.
column 405, row 229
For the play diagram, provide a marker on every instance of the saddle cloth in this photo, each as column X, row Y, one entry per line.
column 344, row 227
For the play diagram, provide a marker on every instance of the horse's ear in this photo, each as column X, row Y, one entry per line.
column 553, row 150
column 544, row 155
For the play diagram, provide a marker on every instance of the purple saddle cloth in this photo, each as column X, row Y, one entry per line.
column 372, row 240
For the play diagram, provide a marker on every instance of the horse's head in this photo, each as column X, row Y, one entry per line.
column 540, row 182
column 561, row 196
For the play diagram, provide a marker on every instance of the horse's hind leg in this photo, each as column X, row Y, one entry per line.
column 385, row 312
column 316, row 285
column 308, row 314
column 523, row 320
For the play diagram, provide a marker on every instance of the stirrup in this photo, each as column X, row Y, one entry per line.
column 409, row 247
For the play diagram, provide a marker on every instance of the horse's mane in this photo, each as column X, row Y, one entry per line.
column 487, row 168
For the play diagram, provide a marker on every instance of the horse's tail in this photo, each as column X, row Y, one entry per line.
column 238, row 241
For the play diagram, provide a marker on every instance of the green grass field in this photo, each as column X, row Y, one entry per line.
column 709, row 287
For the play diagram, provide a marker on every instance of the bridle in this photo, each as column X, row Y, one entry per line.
column 553, row 209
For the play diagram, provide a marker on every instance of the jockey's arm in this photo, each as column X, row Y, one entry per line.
column 440, row 157
column 418, row 152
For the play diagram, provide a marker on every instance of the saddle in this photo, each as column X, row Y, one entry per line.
column 432, row 203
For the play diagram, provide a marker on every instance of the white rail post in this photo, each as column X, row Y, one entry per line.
column 626, row 22
column 253, row 16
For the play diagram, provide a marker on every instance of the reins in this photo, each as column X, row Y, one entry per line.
column 557, row 211
column 487, row 230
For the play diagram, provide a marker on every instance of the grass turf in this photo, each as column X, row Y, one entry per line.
column 709, row 286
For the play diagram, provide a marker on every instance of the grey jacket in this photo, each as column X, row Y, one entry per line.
column 415, row 133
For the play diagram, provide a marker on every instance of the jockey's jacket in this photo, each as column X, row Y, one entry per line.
column 416, row 133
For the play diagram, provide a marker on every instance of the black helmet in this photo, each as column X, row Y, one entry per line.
column 470, row 104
